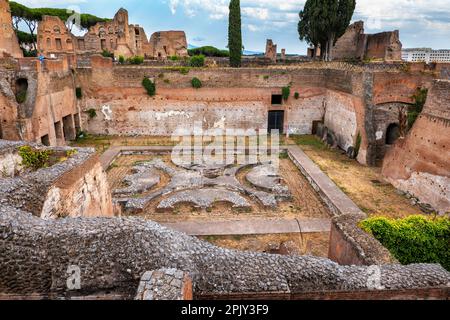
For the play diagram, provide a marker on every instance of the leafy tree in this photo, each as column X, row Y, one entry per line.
column 323, row 22
column 235, row 34
column 209, row 51
column 32, row 16
column 197, row 61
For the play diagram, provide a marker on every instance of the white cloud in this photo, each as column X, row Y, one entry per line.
column 378, row 15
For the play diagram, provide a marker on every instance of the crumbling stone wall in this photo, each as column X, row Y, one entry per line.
column 356, row 45
column 164, row 44
column 271, row 51
column 9, row 45
column 113, row 254
column 54, row 37
column 76, row 187
column 419, row 163
column 116, row 36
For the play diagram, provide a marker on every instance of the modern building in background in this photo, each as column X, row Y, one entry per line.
column 427, row 55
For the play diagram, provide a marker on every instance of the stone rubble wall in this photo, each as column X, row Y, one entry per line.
column 75, row 187
column 165, row 284
column 113, row 253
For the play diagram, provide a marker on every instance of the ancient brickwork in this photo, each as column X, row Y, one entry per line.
column 75, row 187
column 418, row 164
column 164, row 44
column 271, row 51
column 356, row 45
column 9, row 45
column 54, row 37
column 116, row 36
column 165, row 284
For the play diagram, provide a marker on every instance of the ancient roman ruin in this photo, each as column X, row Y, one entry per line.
column 116, row 36
column 129, row 219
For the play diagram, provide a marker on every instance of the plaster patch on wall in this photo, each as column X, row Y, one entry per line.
column 107, row 112
column 379, row 135
column 341, row 120
column 220, row 124
column 51, row 204
column 10, row 164
column 428, row 188
column 165, row 115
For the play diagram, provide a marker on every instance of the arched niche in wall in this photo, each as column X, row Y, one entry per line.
column 392, row 133
column 21, row 90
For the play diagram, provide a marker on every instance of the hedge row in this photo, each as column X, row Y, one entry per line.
column 415, row 239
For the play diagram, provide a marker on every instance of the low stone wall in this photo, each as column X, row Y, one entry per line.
column 112, row 254
column 349, row 245
column 165, row 284
column 75, row 187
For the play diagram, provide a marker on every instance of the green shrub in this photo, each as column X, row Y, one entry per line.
column 71, row 152
column 197, row 61
column 174, row 58
column 149, row 86
column 209, row 51
column 297, row 96
column 107, row 54
column 33, row 158
column 266, row 77
column 91, row 113
column 415, row 239
column 286, row 92
column 78, row 93
column 184, row 70
column 21, row 96
column 420, row 98
column 196, row 83
column 121, row 59
column 136, row 60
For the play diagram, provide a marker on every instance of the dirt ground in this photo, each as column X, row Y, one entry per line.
column 305, row 202
column 364, row 185
column 315, row 244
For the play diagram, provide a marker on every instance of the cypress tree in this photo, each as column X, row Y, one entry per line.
column 235, row 34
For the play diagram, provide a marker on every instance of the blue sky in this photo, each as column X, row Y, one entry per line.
column 422, row 23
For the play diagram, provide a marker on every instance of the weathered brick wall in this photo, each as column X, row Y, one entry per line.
column 419, row 164
column 9, row 45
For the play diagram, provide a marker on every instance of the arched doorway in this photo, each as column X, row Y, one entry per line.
column 392, row 133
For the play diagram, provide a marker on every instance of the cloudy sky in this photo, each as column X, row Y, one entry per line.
column 422, row 23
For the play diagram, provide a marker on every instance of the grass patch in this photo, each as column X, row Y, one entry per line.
column 309, row 140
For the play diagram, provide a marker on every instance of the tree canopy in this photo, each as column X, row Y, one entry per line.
column 235, row 34
column 323, row 22
column 22, row 12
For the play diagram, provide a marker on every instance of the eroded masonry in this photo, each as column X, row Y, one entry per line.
column 114, row 216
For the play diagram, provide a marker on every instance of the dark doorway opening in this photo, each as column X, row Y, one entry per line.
column 276, row 121
column 69, row 128
column 392, row 133
column 45, row 140
column 277, row 99
column 103, row 44
column 1, row 132
column 21, row 90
